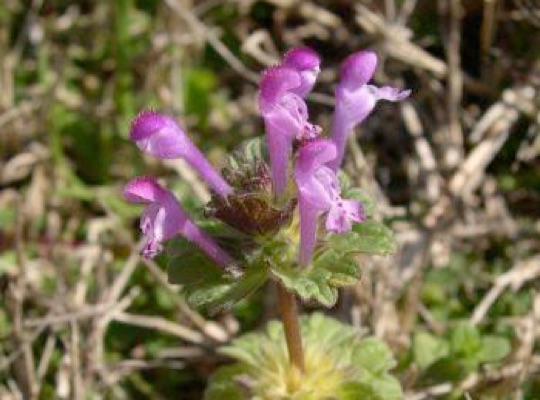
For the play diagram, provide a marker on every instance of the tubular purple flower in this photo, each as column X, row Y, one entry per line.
column 164, row 218
column 160, row 136
column 319, row 191
column 307, row 63
column 355, row 99
column 285, row 117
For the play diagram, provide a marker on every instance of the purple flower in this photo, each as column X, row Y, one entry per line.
column 319, row 192
column 307, row 63
column 355, row 99
column 285, row 117
column 164, row 218
column 281, row 101
column 160, row 136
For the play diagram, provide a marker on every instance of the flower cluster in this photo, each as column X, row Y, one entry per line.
column 303, row 162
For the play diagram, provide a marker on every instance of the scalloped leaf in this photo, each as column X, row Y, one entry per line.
column 374, row 355
column 206, row 286
column 366, row 237
column 321, row 280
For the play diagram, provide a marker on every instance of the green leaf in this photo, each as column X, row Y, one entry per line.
column 206, row 286
column 386, row 387
column 374, row 355
column 223, row 386
column 465, row 340
column 493, row 349
column 358, row 390
column 366, row 237
column 448, row 368
column 332, row 373
column 252, row 279
column 427, row 349
column 320, row 281
column 193, row 268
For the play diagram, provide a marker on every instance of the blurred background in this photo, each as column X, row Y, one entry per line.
column 454, row 169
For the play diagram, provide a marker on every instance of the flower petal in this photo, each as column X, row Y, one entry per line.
column 160, row 136
column 143, row 189
column 342, row 214
column 358, row 69
column 164, row 218
column 355, row 100
column 307, row 63
column 275, row 83
column 315, row 182
column 285, row 116
column 389, row 93
column 313, row 155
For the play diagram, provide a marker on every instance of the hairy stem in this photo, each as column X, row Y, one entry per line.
column 289, row 315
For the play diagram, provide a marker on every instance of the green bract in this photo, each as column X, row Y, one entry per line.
column 339, row 365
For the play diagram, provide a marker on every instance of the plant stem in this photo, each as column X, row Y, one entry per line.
column 289, row 315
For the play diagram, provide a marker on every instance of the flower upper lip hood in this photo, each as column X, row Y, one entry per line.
column 275, row 89
column 307, row 63
column 160, row 136
column 357, row 69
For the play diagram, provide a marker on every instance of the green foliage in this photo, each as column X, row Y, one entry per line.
column 461, row 351
column 339, row 365
column 208, row 287
column 321, row 280
column 369, row 237
column 334, row 266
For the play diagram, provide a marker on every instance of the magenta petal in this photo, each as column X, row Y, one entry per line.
column 352, row 107
column 160, row 136
column 313, row 155
column 279, row 150
column 275, row 83
column 314, row 180
column 307, row 63
column 358, row 69
column 389, row 93
column 164, row 218
column 143, row 189
column 342, row 214
column 319, row 192
column 355, row 100
column 285, row 116
column 196, row 235
column 315, row 184
column 301, row 58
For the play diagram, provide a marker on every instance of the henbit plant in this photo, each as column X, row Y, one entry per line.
column 295, row 221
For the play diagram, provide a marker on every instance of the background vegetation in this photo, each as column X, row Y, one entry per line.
column 455, row 171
